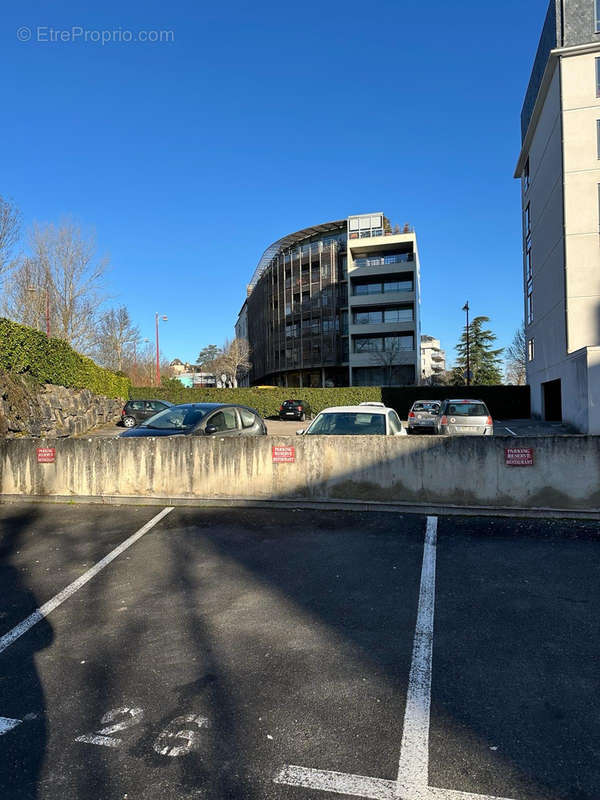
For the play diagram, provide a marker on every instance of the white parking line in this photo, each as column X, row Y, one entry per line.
column 414, row 750
column 413, row 770
column 43, row 611
column 7, row 724
column 105, row 741
column 337, row 782
column 511, row 432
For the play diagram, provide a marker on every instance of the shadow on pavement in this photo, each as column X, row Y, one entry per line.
column 21, row 692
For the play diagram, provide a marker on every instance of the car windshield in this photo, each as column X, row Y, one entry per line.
column 176, row 418
column 467, row 410
column 346, row 423
column 426, row 407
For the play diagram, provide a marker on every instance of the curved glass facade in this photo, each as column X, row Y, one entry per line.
column 297, row 311
column 335, row 305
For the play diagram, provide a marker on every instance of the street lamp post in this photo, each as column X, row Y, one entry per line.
column 164, row 319
column 466, row 308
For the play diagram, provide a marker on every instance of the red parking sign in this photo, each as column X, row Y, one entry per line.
column 284, row 455
column 518, row 456
column 46, row 455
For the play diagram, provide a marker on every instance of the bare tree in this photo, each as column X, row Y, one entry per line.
column 233, row 361
column 67, row 258
column 10, row 233
column 388, row 359
column 516, row 359
column 116, row 337
column 24, row 295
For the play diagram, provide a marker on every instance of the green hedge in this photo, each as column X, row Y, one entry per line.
column 504, row 402
column 265, row 401
column 24, row 351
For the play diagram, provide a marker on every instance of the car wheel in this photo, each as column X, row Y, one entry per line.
column 129, row 422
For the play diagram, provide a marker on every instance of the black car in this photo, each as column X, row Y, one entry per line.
column 136, row 411
column 201, row 419
column 294, row 409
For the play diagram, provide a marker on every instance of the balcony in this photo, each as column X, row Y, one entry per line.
column 381, row 261
column 382, row 327
column 379, row 232
column 382, row 298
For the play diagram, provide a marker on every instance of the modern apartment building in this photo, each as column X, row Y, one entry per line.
column 433, row 360
column 336, row 304
column 559, row 168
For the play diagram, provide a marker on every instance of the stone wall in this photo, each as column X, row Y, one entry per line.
column 51, row 411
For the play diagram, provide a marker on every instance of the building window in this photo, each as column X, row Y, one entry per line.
column 367, row 317
column 380, row 344
column 368, row 344
column 531, row 349
column 529, row 304
column 527, row 223
column 400, row 314
column 598, row 77
column 598, row 136
column 528, row 265
column 526, row 173
column 597, row 21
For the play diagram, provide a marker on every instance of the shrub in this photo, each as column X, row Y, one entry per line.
column 265, row 401
column 24, row 351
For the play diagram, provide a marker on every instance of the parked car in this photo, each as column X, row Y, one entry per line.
column 294, row 409
column 464, row 418
column 364, row 419
column 136, row 411
column 201, row 419
column 422, row 415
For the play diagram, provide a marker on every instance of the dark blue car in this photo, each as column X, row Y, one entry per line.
column 201, row 419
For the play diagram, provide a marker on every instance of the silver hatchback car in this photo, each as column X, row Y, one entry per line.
column 422, row 415
column 464, row 418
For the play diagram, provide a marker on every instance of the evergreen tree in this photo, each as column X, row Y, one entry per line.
column 485, row 363
column 207, row 357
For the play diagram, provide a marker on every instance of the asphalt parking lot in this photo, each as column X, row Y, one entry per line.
column 294, row 655
column 277, row 427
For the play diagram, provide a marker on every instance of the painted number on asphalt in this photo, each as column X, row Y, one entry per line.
column 180, row 737
column 119, row 719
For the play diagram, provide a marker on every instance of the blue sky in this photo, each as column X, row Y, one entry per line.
column 190, row 157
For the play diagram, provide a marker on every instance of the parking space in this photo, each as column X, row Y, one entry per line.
column 289, row 654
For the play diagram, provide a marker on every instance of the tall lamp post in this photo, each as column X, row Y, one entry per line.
column 468, row 376
column 164, row 319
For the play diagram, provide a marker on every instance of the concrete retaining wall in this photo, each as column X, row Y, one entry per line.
column 424, row 470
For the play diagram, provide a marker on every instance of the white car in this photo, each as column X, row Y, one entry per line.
column 365, row 419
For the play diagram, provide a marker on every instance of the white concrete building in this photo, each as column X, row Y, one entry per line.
column 433, row 360
column 559, row 167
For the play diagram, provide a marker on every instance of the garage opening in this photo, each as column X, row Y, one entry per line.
column 552, row 396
